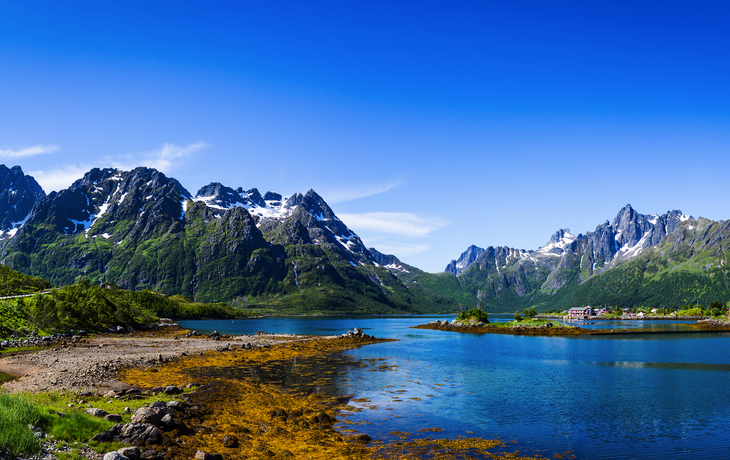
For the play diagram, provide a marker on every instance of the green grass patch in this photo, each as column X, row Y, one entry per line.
column 75, row 426
column 19, row 418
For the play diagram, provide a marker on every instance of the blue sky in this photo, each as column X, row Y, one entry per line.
column 427, row 126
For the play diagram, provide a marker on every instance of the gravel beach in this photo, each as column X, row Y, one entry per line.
column 92, row 364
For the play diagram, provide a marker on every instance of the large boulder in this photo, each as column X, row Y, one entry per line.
column 147, row 415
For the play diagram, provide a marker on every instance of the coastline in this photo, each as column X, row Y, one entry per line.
column 265, row 419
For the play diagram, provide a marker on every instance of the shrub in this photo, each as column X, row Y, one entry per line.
column 475, row 313
column 691, row 312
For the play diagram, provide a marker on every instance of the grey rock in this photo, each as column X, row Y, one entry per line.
column 114, row 456
column 177, row 405
column 132, row 453
column 168, row 421
column 146, row 415
column 172, row 390
column 96, row 412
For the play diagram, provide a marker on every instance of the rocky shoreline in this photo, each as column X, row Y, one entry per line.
column 98, row 369
column 80, row 364
column 201, row 413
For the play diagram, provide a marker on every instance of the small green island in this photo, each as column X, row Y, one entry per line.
column 477, row 321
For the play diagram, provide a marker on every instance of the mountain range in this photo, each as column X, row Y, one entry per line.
column 140, row 229
column 665, row 260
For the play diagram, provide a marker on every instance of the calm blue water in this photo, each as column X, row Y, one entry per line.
column 646, row 396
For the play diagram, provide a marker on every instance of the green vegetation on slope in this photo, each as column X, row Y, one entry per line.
column 84, row 305
column 15, row 283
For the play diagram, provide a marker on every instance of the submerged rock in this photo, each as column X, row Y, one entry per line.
column 230, row 441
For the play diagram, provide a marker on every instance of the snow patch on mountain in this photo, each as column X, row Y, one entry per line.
column 272, row 208
column 627, row 252
column 397, row 267
column 558, row 243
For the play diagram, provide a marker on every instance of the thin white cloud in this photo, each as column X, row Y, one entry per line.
column 163, row 159
column 349, row 193
column 401, row 249
column 28, row 151
column 398, row 223
column 59, row 178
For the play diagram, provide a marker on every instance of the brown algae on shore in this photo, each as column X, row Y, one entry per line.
column 269, row 421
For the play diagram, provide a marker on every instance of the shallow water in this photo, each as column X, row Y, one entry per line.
column 603, row 397
column 6, row 377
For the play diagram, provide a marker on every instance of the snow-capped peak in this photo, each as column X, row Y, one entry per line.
column 218, row 196
column 559, row 242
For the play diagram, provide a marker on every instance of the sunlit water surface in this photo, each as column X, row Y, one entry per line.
column 601, row 397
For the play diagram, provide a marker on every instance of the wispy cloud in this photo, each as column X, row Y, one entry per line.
column 28, row 151
column 397, row 223
column 163, row 159
column 349, row 193
column 396, row 247
column 59, row 178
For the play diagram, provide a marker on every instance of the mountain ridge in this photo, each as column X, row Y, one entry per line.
column 140, row 229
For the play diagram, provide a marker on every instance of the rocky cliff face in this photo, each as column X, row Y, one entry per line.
column 18, row 194
column 468, row 257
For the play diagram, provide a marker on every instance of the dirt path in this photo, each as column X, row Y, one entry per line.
column 92, row 365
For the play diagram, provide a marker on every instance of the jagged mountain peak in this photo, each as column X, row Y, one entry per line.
column 629, row 235
column 468, row 257
column 315, row 222
column 142, row 176
column 103, row 197
column 559, row 243
column 218, row 196
column 314, row 204
column 18, row 194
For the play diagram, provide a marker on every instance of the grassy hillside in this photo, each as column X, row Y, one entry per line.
column 84, row 305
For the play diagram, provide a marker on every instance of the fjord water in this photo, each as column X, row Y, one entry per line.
column 601, row 397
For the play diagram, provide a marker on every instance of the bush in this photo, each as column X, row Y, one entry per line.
column 691, row 312
column 475, row 313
